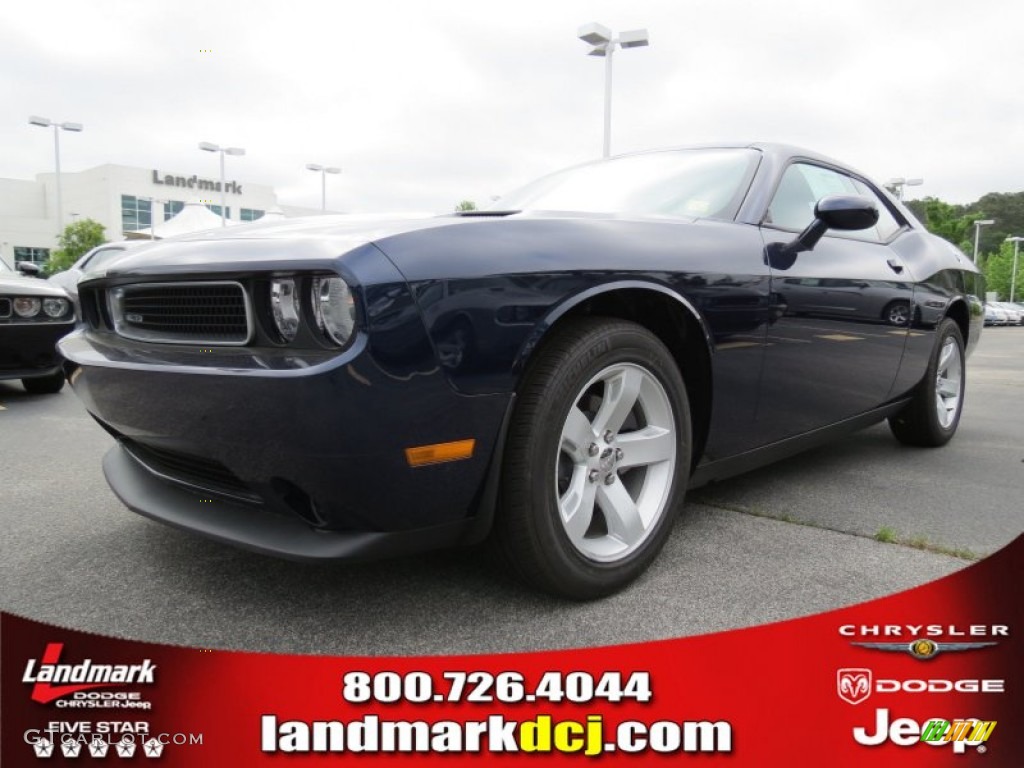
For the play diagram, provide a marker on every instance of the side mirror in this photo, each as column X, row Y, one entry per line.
column 28, row 268
column 842, row 212
column 846, row 212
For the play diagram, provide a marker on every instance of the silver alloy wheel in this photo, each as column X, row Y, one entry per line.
column 948, row 383
column 615, row 462
column 899, row 314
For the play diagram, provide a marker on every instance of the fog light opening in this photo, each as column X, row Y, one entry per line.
column 298, row 501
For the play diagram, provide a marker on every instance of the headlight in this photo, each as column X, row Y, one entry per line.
column 26, row 307
column 334, row 308
column 284, row 305
column 55, row 307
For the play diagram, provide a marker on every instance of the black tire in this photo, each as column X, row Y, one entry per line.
column 44, row 385
column 920, row 423
column 529, row 531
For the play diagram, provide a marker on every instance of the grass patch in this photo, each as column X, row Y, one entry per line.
column 889, row 536
column 886, row 535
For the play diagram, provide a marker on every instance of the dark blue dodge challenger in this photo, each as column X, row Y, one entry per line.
column 553, row 373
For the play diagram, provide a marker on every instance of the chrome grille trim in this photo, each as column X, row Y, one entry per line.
column 116, row 297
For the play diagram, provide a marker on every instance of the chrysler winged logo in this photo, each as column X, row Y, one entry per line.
column 923, row 648
column 853, row 685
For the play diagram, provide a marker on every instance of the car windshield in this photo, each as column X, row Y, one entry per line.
column 704, row 183
column 102, row 257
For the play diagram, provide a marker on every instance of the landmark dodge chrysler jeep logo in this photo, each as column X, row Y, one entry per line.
column 79, row 677
column 923, row 648
column 920, row 643
column 853, row 685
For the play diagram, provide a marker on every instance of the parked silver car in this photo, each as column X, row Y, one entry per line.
column 1014, row 313
column 33, row 317
column 995, row 315
column 97, row 257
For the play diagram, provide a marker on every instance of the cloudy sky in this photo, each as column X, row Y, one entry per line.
column 425, row 103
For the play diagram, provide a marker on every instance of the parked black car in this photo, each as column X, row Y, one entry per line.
column 555, row 371
column 33, row 316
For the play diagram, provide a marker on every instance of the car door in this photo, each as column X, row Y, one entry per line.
column 833, row 352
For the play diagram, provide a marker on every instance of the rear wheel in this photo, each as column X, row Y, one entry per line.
column 597, row 459
column 931, row 418
column 44, row 385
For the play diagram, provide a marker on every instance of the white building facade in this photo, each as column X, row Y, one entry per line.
column 121, row 198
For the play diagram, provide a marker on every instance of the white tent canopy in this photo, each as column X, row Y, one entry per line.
column 193, row 217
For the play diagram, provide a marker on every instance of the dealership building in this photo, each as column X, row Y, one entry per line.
column 126, row 201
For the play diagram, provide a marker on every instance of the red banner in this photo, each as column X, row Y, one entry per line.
column 928, row 677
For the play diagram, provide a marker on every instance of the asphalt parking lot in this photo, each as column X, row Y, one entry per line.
column 789, row 540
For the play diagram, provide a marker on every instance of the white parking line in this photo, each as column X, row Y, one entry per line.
column 838, row 337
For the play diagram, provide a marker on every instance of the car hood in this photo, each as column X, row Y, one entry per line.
column 28, row 286
column 308, row 242
column 437, row 247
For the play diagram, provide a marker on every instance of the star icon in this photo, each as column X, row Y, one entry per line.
column 154, row 748
column 71, row 748
column 125, row 748
column 43, row 748
column 98, row 747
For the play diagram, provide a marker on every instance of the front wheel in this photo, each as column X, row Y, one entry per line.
column 597, row 459
column 932, row 416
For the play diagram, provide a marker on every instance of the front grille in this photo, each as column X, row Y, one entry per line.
column 214, row 313
column 193, row 471
column 5, row 307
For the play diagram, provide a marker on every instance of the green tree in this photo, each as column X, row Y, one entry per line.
column 75, row 240
column 998, row 269
column 1007, row 211
column 466, row 205
column 948, row 221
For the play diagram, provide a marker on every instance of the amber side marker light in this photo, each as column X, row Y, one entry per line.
column 439, row 453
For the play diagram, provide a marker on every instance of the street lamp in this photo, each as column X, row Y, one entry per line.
column 208, row 147
column 323, row 181
column 1016, row 254
column 45, row 122
column 604, row 43
column 977, row 231
column 898, row 184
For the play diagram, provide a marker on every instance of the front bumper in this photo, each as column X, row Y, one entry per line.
column 28, row 350
column 297, row 458
column 257, row 528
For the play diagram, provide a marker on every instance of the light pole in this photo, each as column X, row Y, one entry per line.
column 605, row 42
column 977, row 232
column 1016, row 254
column 45, row 122
column 208, row 147
column 899, row 183
column 324, row 170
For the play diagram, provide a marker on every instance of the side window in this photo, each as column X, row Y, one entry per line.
column 887, row 225
column 793, row 204
column 803, row 185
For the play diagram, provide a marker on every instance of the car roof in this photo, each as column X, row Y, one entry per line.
column 777, row 149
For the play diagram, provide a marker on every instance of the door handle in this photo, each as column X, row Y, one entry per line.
column 896, row 266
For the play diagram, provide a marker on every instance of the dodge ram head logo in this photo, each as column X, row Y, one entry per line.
column 853, row 685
